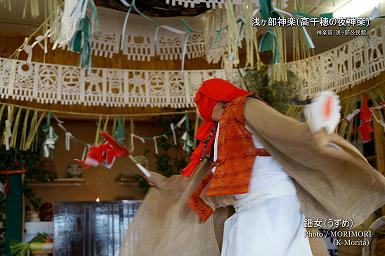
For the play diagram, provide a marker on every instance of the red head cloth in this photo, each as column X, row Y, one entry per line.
column 213, row 91
column 208, row 95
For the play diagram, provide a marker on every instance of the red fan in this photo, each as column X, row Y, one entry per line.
column 105, row 154
column 119, row 149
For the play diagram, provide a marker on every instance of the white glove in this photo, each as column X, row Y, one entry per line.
column 323, row 112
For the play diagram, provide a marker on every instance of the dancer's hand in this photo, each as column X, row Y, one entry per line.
column 155, row 179
column 150, row 182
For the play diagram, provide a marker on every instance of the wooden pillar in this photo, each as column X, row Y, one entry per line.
column 379, row 142
column 14, row 226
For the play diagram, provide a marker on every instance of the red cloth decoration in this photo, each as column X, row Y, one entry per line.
column 365, row 112
column 365, row 128
column 365, row 131
column 209, row 94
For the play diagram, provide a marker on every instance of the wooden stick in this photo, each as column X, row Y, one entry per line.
column 143, row 170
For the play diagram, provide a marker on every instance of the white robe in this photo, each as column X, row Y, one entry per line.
column 267, row 221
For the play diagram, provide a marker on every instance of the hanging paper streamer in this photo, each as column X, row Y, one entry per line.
column 15, row 129
column 33, row 130
column 118, row 130
column 378, row 120
column 98, row 130
column 33, row 119
column 133, row 135
column 179, row 124
column 8, row 128
column 173, row 127
column 233, row 41
column 7, row 134
column 269, row 39
column 34, row 8
column 29, row 48
column 24, row 131
column 1, row 112
column 74, row 11
column 377, row 114
column 155, row 138
column 51, row 137
column 76, row 29
column 68, row 137
column 7, row 4
column 155, row 142
column 81, row 43
column 49, row 143
column 132, row 129
column 308, row 40
column 250, row 35
column 187, row 29
column 187, row 141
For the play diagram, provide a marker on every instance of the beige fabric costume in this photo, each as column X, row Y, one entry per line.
column 164, row 225
column 333, row 180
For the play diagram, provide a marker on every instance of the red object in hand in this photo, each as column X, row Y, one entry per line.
column 328, row 108
column 119, row 150
column 104, row 154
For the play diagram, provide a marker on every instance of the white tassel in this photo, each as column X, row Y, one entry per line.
column 71, row 15
column 68, row 137
column 155, row 145
column 49, row 142
column 173, row 132
column 8, row 134
column 179, row 124
column 184, row 136
column 155, row 141
column 133, row 135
